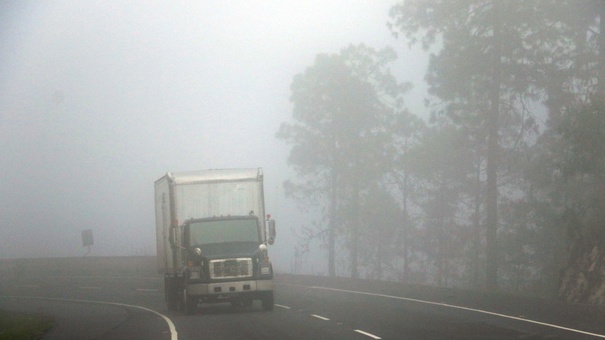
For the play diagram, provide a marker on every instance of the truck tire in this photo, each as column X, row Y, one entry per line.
column 268, row 301
column 189, row 303
column 235, row 302
column 172, row 302
column 246, row 302
column 171, row 294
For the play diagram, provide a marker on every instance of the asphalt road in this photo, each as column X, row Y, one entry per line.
column 307, row 308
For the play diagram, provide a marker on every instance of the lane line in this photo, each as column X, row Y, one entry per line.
column 320, row 317
column 368, row 334
column 282, row 306
column 90, row 287
column 27, row 286
column 450, row 306
column 146, row 290
column 173, row 333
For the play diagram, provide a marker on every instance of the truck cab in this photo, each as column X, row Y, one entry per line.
column 227, row 261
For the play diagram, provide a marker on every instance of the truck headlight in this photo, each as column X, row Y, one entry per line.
column 265, row 270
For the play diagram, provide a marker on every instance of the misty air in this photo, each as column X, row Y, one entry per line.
column 398, row 169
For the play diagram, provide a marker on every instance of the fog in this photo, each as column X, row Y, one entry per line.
column 98, row 100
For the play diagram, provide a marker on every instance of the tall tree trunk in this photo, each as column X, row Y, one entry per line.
column 492, row 154
column 441, row 234
column 332, row 226
column 477, row 227
column 601, row 66
column 355, row 231
column 379, row 256
column 406, row 226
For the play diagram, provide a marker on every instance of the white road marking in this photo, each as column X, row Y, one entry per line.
column 320, row 317
column 339, row 323
column 90, row 287
column 450, row 306
column 282, row 306
column 146, row 290
column 367, row 334
column 27, row 286
column 173, row 333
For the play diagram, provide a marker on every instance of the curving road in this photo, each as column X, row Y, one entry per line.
column 307, row 308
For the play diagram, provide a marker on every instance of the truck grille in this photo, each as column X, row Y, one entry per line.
column 231, row 268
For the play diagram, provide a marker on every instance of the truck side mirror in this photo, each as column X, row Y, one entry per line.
column 271, row 231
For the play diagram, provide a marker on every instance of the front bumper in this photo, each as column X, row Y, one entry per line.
column 233, row 287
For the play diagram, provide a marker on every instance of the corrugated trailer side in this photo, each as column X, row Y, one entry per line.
column 163, row 217
column 214, row 193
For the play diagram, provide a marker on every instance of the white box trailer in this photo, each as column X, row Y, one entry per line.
column 212, row 237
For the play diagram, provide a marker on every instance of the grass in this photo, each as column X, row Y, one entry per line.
column 28, row 326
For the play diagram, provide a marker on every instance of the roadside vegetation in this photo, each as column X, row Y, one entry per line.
column 498, row 184
column 15, row 325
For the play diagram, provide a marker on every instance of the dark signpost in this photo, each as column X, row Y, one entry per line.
column 87, row 239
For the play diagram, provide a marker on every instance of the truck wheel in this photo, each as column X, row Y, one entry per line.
column 247, row 302
column 191, row 306
column 235, row 302
column 189, row 303
column 172, row 302
column 171, row 293
column 268, row 301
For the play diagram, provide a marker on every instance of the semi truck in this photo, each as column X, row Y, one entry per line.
column 212, row 236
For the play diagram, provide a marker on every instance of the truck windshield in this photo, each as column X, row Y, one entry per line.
column 206, row 232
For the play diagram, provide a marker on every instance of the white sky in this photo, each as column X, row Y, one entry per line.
column 99, row 99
